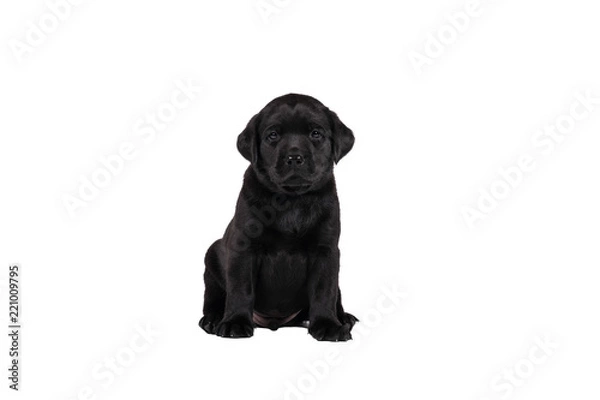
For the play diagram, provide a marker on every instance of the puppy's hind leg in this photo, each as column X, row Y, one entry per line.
column 214, row 292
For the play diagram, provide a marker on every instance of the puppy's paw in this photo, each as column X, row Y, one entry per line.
column 348, row 318
column 235, row 328
column 209, row 323
column 332, row 331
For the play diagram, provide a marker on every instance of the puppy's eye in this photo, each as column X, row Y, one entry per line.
column 316, row 134
column 272, row 136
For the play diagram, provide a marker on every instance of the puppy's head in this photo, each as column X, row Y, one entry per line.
column 293, row 142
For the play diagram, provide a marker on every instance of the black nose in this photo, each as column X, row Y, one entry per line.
column 295, row 159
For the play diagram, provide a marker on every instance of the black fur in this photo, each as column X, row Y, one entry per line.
column 278, row 262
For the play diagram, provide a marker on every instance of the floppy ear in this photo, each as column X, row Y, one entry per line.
column 343, row 138
column 246, row 141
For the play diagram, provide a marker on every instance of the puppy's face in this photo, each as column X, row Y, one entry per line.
column 293, row 143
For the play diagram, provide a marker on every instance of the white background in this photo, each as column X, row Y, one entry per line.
column 425, row 145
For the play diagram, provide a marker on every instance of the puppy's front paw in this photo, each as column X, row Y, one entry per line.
column 333, row 331
column 209, row 323
column 235, row 328
column 348, row 318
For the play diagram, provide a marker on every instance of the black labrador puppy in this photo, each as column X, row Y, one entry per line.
column 278, row 262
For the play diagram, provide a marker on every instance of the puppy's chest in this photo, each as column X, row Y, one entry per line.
column 282, row 269
column 298, row 221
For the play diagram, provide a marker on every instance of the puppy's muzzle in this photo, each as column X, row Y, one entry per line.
column 294, row 160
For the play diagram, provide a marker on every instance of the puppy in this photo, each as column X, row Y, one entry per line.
column 278, row 261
